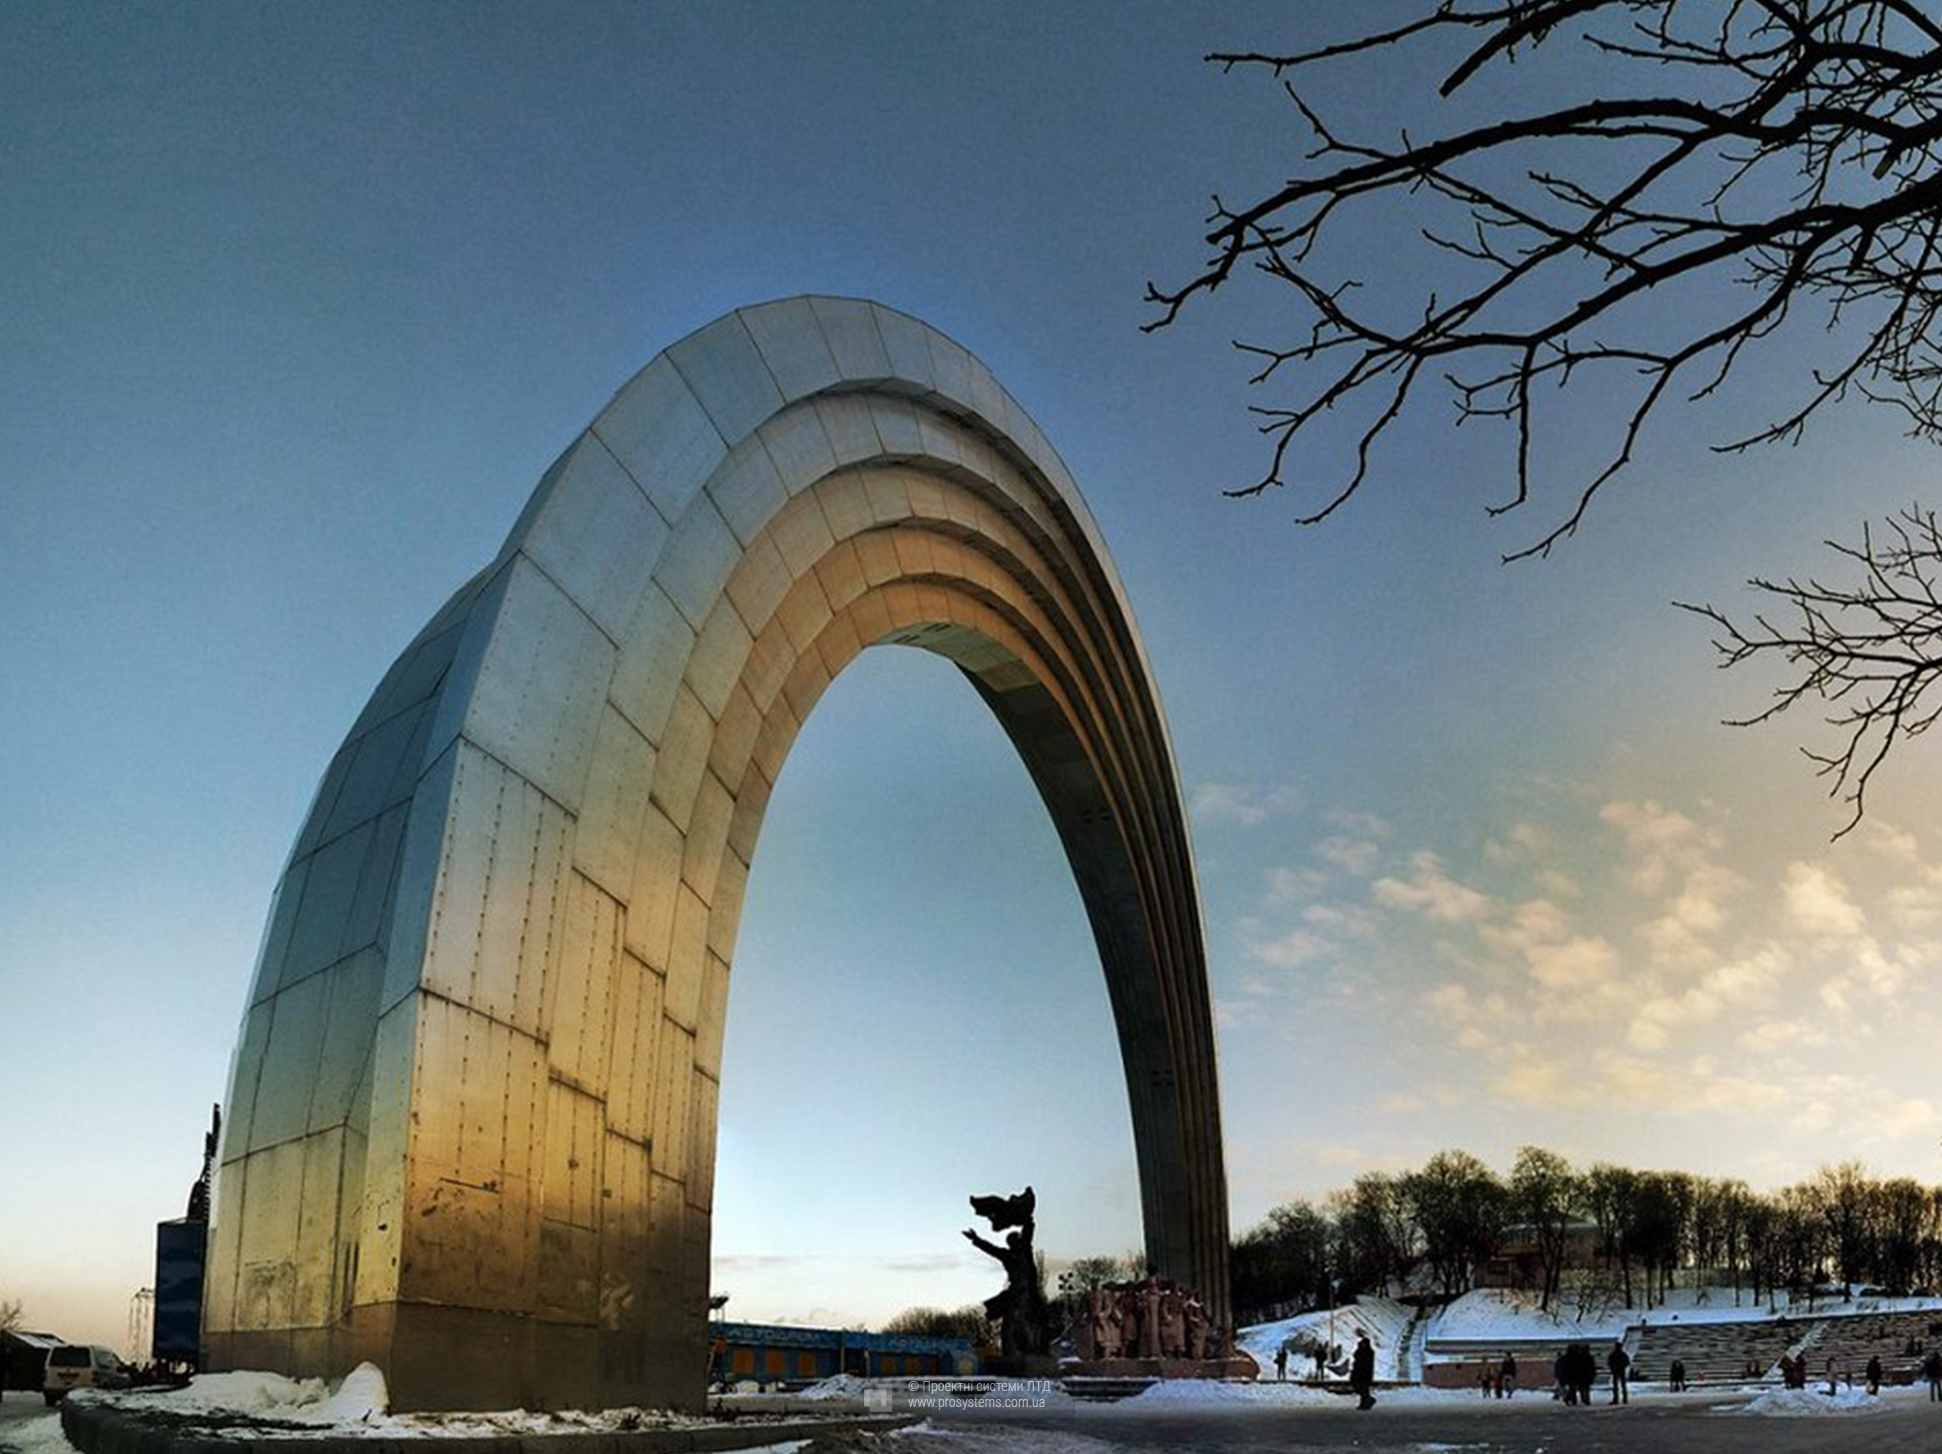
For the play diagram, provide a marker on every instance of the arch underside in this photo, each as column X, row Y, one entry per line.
column 473, row 1107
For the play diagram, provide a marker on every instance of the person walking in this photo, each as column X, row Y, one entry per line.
column 1873, row 1374
column 1362, row 1372
column 1932, row 1371
column 1561, row 1375
column 1678, row 1375
column 1618, row 1360
column 1281, row 1364
column 1507, row 1377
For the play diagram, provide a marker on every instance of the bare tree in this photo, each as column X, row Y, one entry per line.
column 1459, row 1206
column 1713, row 178
column 10, row 1314
column 968, row 1322
column 1545, row 1195
column 1871, row 650
column 1085, row 1274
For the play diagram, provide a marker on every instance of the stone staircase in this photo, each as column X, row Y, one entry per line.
column 1409, row 1352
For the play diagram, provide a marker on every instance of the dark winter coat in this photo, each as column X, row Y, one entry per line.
column 1583, row 1365
column 1362, row 1368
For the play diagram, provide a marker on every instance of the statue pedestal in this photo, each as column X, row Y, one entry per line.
column 1023, row 1365
column 1238, row 1366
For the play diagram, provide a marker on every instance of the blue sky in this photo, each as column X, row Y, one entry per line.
column 299, row 302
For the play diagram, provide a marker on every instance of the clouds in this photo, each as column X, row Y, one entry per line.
column 1818, row 903
column 1661, row 841
column 1859, row 969
column 1620, row 1083
column 1351, row 855
column 1556, row 956
column 1618, row 964
column 1747, row 980
column 1293, row 949
column 1248, row 805
column 1432, row 892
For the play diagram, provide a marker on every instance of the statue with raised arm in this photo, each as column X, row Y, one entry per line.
column 1020, row 1310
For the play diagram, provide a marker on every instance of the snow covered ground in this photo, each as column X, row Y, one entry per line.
column 1384, row 1320
column 1208, row 1393
column 36, row 1434
column 1247, row 1419
column 1491, row 1314
column 945, row 1392
column 357, row 1407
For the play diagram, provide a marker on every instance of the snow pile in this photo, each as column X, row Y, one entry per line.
column 40, row 1434
column 248, row 1391
column 1383, row 1319
column 361, row 1398
column 275, row 1406
column 1798, row 1402
column 842, row 1385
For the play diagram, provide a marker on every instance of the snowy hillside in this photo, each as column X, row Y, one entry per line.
column 1491, row 1314
column 1385, row 1322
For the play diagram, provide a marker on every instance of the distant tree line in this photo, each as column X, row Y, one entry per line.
column 967, row 1322
column 1078, row 1278
column 1601, row 1232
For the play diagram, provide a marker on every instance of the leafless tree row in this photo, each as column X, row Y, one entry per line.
column 1603, row 1231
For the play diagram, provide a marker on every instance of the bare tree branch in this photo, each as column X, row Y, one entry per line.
column 1870, row 651
column 1639, row 241
column 1795, row 161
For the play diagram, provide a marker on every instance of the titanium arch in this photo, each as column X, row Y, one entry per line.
column 472, row 1117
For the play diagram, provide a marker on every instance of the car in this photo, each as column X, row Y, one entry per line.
column 82, row 1365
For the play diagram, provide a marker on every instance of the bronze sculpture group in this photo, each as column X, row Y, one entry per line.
column 1153, row 1319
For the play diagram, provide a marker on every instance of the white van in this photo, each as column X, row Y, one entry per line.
column 82, row 1365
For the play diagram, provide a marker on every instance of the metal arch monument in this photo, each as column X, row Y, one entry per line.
column 471, row 1125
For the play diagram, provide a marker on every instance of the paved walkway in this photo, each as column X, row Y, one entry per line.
column 1904, row 1427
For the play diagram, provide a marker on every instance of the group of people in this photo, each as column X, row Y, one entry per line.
column 1322, row 1353
column 1362, row 1367
column 1794, row 1372
column 1499, row 1380
column 1576, row 1369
